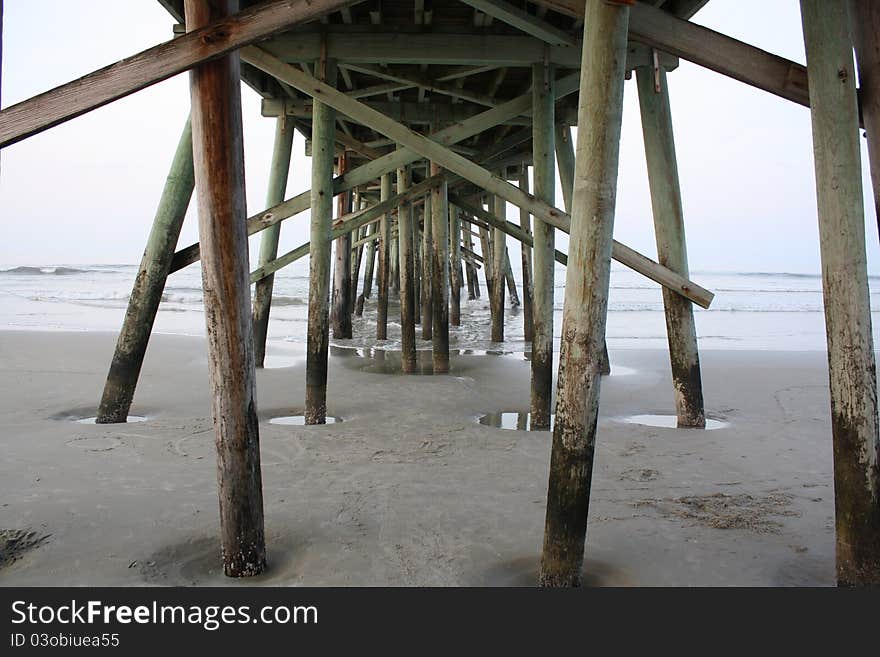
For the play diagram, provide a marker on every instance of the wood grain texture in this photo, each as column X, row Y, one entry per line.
column 218, row 158
column 440, row 274
column 586, row 293
column 851, row 361
column 407, row 274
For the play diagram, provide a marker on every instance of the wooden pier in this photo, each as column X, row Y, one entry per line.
column 425, row 120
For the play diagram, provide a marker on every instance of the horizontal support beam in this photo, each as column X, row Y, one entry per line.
column 523, row 21
column 620, row 252
column 159, row 63
column 708, row 48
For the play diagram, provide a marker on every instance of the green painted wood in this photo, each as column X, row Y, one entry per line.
column 318, row 332
column 586, row 292
column 671, row 245
column 146, row 294
column 543, row 148
column 278, row 173
column 851, row 362
column 523, row 21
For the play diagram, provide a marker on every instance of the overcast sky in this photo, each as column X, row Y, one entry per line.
column 86, row 191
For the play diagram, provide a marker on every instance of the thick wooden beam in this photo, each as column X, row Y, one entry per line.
column 524, row 21
column 455, row 270
column 159, row 63
column 543, row 150
column 318, row 338
column 586, row 293
column 408, row 357
column 425, row 269
column 709, row 49
column 341, row 297
column 218, row 158
column 525, row 222
column 278, row 172
column 143, row 303
column 384, row 261
column 497, row 206
column 851, row 362
column 865, row 20
column 669, row 231
column 440, row 274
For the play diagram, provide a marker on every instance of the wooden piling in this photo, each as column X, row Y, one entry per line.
column 427, row 269
column 384, row 273
column 440, row 274
column 408, row 360
column 418, row 289
column 511, row 281
column 357, row 256
column 525, row 223
column 323, row 148
column 565, row 163
column 543, row 255
column 586, row 291
column 278, row 173
column 341, row 302
column 671, row 245
column 394, row 262
column 865, row 20
column 851, row 363
column 218, row 159
column 486, row 250
column 497, row 206
column 369, row 262
column 143, row 303
column 455, row 266
column 470, row 271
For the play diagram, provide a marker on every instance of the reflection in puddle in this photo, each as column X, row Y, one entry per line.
column 513, row 421
column 380, row 361
column 130, row 418
column 300, row 420
column 669, row 422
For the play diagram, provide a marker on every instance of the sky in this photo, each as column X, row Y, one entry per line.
column 86, row 191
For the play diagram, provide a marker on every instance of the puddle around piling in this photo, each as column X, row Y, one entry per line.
column 670, row 422
column 512, row 421
column 300, row 420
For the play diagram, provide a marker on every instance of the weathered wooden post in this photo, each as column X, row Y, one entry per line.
column 865, row 20
column 321, row 224
column 341, row 306
column 384, row 261
column 146, row 294
column 586, row 291
column 394, row 262
column 418, row 289
column 269, row 244
column 408, row 361
column 218, row 157
column 511, row 281
column 525, row 223
column 544, row 250
column 369, row 261
column 440, row 274
column 427, row 269
column 498, row 206
column 565, row 163
column 470, row 271
column 671, row 246
column 455, row 266
column 851, row 365
column 486, row 250
column 356, row 306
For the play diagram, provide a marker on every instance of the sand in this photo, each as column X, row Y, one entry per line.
column 410, row 489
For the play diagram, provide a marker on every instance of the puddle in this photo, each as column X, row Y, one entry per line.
column 300, row 420
column 670, row 422
column 512, row 420
column 91, row 420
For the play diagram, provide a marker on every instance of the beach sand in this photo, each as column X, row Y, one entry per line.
column 410, row 489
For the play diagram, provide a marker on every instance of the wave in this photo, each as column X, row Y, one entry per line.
column 288, row 301
column 42, row 271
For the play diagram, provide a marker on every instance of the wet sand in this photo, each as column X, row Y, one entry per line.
column 410, row 489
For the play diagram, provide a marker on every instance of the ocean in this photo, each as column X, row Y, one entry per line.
column 751, row 310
